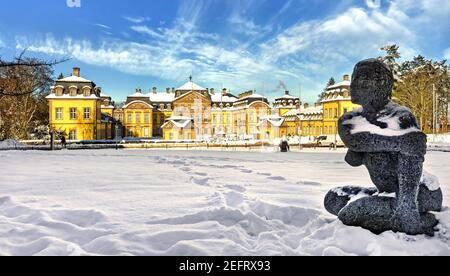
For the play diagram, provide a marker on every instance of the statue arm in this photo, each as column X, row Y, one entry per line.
column 413, row 143
column 407, row 217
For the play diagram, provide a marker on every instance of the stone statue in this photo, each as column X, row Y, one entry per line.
column 386, row 138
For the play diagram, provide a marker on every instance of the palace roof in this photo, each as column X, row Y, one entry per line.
column 219, row 98
column 161, row 97
column 341, row 84
column 74, row 79
column 191, row 86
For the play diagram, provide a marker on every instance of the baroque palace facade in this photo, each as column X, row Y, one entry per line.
column 81, row 111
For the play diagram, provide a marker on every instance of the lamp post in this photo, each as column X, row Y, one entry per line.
column 335, row 132
column 117, row 136
column 52, row 140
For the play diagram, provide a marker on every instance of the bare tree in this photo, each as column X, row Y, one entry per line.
column 24, row 83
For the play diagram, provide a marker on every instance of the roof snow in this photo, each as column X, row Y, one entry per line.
column 138, row 95
column 290, row 97
column 219, row 98
column 191, row 86
column 339, row 85
column 68, row 97
column 292, row 112
column 161, row 97
column 178, row 121
column 74, row 79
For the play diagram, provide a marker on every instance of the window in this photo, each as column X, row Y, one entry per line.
column 73, row 92
column 87, row 113
column 59, row 113
column 138, row 118
column 59, row 91
column 147, row 118
column 335, row 113
column 87, row 92
column 130, row 118
column 130, row 133
column 73, row 135
column 345, row 110
column 171, row 136
column 73, row 113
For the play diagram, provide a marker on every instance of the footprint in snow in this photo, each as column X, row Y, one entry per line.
column 265, row 174
column 185, row 169
column 236, row 188
column 246, row 171
column 277, row 178
column 309, row 183
column 200, row 181
column 200, row 174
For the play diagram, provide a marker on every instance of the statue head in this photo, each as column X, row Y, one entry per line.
column 372, row 84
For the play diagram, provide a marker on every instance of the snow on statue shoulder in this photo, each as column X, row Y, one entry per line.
column 384, row 137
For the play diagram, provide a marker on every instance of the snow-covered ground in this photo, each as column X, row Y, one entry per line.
column 191, row 203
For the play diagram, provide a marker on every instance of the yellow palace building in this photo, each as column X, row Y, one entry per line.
column 79, row 110
column 75, row 109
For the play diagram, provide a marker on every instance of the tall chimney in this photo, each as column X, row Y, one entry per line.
column 212, row 91
column 168, row 90
column 224, row 91
column 346, row 78
column 286, row 92
column 173, row 90
column 306, row 105
column 155, row 90
column 76, row 72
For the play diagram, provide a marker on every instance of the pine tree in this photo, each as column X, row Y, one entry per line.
column 391, row 57
column 331, row 82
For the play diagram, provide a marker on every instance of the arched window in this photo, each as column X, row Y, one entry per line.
column 59, row 91
column 73, row 134
column 87, row 91
column 73, row 91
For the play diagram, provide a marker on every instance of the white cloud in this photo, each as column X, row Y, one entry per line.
column 447, row 54
column 247, row 26
column 103, row 26
column 136, row 19
column 146, row 30
column 354, row 33
column 308, row 52
column 373, row 4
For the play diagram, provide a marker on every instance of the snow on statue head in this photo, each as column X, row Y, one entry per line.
column 372, row 84
column 384, row 137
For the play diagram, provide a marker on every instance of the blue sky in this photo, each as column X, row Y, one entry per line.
column 241, row 45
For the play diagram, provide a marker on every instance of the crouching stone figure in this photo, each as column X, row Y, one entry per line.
column 384, row 137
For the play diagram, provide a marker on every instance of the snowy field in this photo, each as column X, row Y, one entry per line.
column 191, row 203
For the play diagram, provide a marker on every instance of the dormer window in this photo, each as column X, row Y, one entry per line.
column 59, row 91
column 87, row 91
column 73, row 91
column 346, row 94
